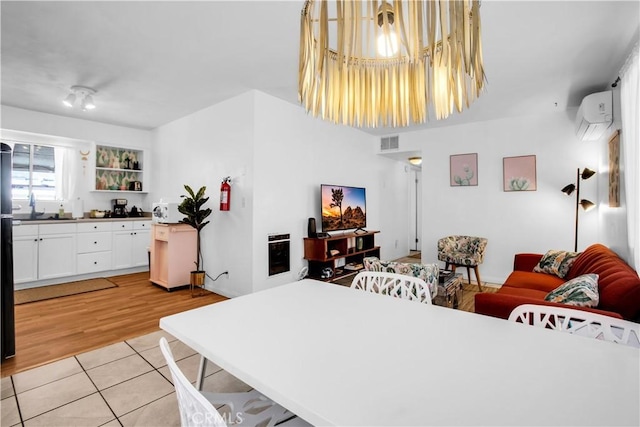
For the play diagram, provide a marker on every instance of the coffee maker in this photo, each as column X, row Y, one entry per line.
column 119, row 208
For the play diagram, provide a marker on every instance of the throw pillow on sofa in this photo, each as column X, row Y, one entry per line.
column 581, row 291
column 556, row 262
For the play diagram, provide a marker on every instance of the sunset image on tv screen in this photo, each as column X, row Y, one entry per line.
column 343, row 208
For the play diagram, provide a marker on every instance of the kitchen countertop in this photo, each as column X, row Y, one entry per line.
column 20, row 221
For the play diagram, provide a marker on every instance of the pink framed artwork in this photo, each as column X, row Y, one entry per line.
column 463, row 170
column 519, row 173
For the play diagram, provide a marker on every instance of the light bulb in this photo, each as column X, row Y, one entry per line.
column 387, row 45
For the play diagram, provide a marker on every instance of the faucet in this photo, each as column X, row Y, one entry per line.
column 32, row 203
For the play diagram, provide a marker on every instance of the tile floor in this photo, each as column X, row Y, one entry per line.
column 124, row 384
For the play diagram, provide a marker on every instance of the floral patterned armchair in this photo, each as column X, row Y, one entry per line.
column 463, row 251
column 426, row 272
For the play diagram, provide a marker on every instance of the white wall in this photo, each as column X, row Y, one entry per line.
column 294, row 154
column 531, row 221
column 201, row 149
column 277, row 157
column 33, row 126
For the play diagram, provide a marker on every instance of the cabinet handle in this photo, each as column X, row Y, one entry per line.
column 35, row 240
column 95, row 262
column 95, row 227
column 41, row 239
column 95, row 243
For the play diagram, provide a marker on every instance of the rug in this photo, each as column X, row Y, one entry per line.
column 24, row 296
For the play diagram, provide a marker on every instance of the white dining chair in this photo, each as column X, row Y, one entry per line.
column 393, row 284
column 578, row 322
column 198, row 408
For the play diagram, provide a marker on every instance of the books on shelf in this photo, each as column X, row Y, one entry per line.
column 353, row 266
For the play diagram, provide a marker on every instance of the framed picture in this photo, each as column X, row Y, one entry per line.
column 463, row 170
column 519, row 173
column 614, row 170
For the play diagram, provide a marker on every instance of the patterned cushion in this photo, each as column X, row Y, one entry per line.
column 426, row 272
column 556, row 262
column 581, row 291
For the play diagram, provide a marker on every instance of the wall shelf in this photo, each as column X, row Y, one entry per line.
column 117, row 168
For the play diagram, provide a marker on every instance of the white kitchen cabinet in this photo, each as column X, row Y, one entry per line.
column 25, row 253
column 130, row 242
column 94, row 247
column 56, row 250
column 43, row 251
column 140, row 243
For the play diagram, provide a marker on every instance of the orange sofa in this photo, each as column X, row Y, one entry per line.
column 618, row 285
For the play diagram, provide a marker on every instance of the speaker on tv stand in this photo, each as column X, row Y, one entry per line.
column 311, row 228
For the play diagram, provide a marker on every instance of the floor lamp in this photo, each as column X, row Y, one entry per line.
column 586, row 204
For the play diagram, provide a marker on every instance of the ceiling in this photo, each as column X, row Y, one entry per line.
column 154, row 62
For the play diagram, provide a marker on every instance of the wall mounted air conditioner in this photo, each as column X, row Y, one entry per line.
column 594, row 116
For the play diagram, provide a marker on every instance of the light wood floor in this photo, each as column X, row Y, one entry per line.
column 54, row 329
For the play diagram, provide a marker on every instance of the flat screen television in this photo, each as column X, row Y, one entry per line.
column 343, row 208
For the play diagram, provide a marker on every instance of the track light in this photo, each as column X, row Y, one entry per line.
column 82, row 93
column 69, row 100
column 87, row 103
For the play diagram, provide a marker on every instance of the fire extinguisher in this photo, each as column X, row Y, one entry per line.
column 225, row 194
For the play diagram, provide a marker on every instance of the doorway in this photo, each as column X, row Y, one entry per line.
column 415, row 210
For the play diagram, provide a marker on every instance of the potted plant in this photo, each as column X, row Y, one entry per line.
column 195, row 215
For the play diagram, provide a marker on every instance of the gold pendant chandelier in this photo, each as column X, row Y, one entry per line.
column 384, row 63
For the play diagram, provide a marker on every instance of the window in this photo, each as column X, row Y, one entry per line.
column 33, row 172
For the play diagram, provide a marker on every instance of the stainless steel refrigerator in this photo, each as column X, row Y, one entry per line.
column 7, row 327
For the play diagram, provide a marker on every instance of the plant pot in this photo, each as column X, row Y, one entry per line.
column 196, row 279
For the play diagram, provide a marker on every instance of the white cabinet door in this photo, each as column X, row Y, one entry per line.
column 121, row 249
column 25, row 259
column 140, row 247
column 130, row 244
column 56, row 255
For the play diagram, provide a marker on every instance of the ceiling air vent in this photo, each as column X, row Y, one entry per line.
column 389, row 143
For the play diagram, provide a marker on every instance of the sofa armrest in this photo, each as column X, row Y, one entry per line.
column 526, row 262
column 501, row 305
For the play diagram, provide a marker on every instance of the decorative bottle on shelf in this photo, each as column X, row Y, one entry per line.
column 61, row 211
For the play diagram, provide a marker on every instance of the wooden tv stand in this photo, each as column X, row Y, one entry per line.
column 329, row 252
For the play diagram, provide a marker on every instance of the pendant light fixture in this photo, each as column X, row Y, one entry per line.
column 81, row 95
column 372, row 63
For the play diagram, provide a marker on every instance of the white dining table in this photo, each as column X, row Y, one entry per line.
column 344, row 357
